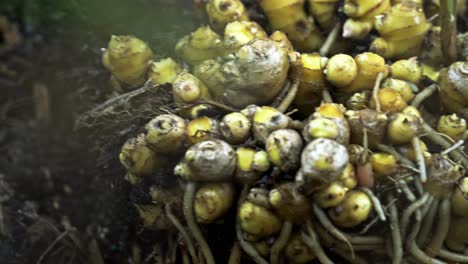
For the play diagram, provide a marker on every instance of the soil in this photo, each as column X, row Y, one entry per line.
column 63, row 197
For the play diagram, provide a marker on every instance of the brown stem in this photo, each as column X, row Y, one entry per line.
column 311, row 240
column 326, row 96
column 448, row 32
column 172, row 245
column 441, row 230
column 418, row 185
column 190, row 189
column 327, row 224
column 365, row 145
column 280, row 96
column 376, row 203
column 415, row 251
column 248, row 247
column 290, row 96
column 375, row 90
column 330, row 40
column 188, row 240
column 427, row 224
column 452, row 148
column 235, row 256
column 433, row 136
column 453, row 257
column 423, row 95
column 185, row 256
column 396, row 235
column 427, row 207
column 371, row 240
column 410, row 210
column 281, row 242
column 360, row 243
column 407, row 191
column 420, row 158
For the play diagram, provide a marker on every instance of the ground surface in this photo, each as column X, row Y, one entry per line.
column 60, row 200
